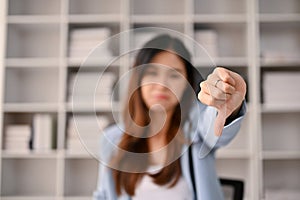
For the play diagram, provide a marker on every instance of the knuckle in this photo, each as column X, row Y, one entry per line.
column 219, row 95
column 227, row 88
column 227, row 77
column 200, row 96
column 209, row 76
column 217, row 69
column 211, row 101
column 202, row 84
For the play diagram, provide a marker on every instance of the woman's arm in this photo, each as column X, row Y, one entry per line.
column 108, row 142
column 232, row 126
column 224, row 93
column 225, row 90
column 203, row 120
column 99, row 193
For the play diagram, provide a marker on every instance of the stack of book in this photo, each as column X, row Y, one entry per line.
column 281, row 88
column 83, row 40
column 91, row 86
column 84, row 133
column 43, row 132
column 17, row 138
column 208, row 40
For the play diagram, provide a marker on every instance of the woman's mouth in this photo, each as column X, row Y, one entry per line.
column 161, row 97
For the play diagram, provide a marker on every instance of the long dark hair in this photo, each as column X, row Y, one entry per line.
column 137, row 112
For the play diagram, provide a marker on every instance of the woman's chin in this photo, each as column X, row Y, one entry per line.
column 160, row 108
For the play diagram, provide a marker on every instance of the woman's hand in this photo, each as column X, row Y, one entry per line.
column 225, row 90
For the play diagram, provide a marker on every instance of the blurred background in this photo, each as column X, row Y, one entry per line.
column 44, row 42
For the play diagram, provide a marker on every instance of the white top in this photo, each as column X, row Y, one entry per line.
column 148, row 190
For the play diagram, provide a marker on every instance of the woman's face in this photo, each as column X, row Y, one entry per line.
column 164, row 81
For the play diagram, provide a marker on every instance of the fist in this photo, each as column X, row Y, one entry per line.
column 225, row 90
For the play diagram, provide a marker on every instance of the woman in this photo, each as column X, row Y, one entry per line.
column 147, row 156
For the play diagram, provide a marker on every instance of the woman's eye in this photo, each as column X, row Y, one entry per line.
column 175, row 75
column 150, row 73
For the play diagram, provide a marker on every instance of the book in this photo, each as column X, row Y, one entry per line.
column 90, row 86
column 281, row 87
column 43, row 132
column 85, row 131
column 17, row 137
column 84, row 40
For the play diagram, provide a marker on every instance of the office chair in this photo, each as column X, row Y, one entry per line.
column 233, row 189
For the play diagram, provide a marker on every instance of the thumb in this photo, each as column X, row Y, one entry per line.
column 219, row 123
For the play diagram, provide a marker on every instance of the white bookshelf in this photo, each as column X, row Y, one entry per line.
column 35, row 70
column 279, row 124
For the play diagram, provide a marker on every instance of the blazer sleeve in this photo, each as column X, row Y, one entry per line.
column 100, row 193
column 105, row 185
column 203, row 118
column 231, row 129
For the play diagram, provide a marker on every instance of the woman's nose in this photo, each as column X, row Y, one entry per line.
column 162, row 81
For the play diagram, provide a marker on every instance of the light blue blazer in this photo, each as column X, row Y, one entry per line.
column 204, row 145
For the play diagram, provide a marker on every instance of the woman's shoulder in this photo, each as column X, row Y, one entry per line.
column 109, row 141
column 113, row 133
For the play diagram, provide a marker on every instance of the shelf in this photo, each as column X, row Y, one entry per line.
column 276, row 63
column 77, row 155
column 27, row 198
column 106, row 18
column 93, row 62
column 30, row 107
column 233, row 154
column 281, row 155
column 32, row 62
column 173, row 26
column 85, row 107
column 280, row 108
column 221, row 61
column 34, row 19
column 278, row 18
column 40, row 63
column 228, row 18
column 29, row 155
column 158, row 19
column 45, row 198
column 78, row 198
